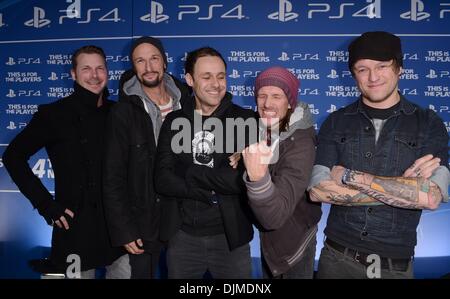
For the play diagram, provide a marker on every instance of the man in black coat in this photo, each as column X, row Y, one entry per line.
column 205, row 217
column 72, row 132
column 147, row 95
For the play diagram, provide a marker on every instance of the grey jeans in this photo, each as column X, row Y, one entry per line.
column 119, row 269
column 335, row 265
column 189, row 257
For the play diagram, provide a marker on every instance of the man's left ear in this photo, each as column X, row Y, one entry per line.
column 189, row 79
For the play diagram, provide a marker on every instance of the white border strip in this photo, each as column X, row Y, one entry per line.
column 213, row 36
column 17, row 191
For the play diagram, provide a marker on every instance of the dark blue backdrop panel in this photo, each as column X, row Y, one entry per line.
column 308, row 37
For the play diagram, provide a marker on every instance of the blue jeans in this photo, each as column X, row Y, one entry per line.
column 303, row 269
column 129, row 266
column 189, row 257
column 336, row 265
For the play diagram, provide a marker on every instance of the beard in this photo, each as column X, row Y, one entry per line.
column 152, row 83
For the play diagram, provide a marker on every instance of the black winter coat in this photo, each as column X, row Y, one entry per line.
column 72, row 132
column 131, row 205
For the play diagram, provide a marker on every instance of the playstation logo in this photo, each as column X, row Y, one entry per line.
column 432, row 74
column 431, row 107
column 10, row 61
column 284, row 57
column 53, row 77
column 333, row 74
column 416, row 13
column 11, row 94
column 156, row 14
column 234, row 74
column 284, row 13
column 38, row 20
column 12, row 126
column 332, row 108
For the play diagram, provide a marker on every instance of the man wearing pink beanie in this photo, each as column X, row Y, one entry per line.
column 276, row 187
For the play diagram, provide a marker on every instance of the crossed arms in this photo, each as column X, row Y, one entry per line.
column 414, row 190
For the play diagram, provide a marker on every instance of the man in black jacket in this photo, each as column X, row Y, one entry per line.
column 72, row 132
column 147, row 95
column 205, row 217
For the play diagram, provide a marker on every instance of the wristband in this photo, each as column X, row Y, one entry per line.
column 346, row 176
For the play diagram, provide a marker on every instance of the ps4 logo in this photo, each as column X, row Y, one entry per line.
column 38, row 20
column 409, row 91
column 23, row 93
column 251, row 74
column 73, row 11
column 441, row 108
column 117, row 58
column 332, row 108
column 309, row 91
column 298, row 56
column 442, row 74
column 234, row 74
column 334, row 74
column 54, row 76
column 371, row 11
column 284, row 13
column 11, row 94
column 416, row 13
column 22, row 60
column 157, row 15
column 12, row 125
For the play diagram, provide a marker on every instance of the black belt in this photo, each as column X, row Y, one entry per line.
column 361, row 257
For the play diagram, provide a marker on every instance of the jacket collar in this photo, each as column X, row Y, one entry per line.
column 130, row 86
column 225, row 103
column 88, row 98
column 406, row 107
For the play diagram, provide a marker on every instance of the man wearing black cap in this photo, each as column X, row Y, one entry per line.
column 380, row 161
column 147, row 95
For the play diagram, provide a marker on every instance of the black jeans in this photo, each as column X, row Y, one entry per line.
column 189, row 257
column 144, row 266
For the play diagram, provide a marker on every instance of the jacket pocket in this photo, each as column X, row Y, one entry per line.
column 407, row 148
column 348, row 149
column 138, row 169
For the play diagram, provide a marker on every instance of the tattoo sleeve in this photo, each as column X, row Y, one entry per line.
column 330, row 192
column 409, row 193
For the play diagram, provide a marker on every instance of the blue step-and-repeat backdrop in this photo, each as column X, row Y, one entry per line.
column 308, row 37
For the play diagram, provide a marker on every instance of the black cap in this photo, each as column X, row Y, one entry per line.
column 152, row 41
column 375, row 45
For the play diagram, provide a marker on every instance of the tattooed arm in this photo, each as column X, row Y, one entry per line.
column 329, row 191
column 403, row 192
column 323, row 188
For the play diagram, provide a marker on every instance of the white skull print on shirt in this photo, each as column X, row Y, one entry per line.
column 203, row 148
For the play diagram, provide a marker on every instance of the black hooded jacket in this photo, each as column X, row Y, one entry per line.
column 189, row 183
